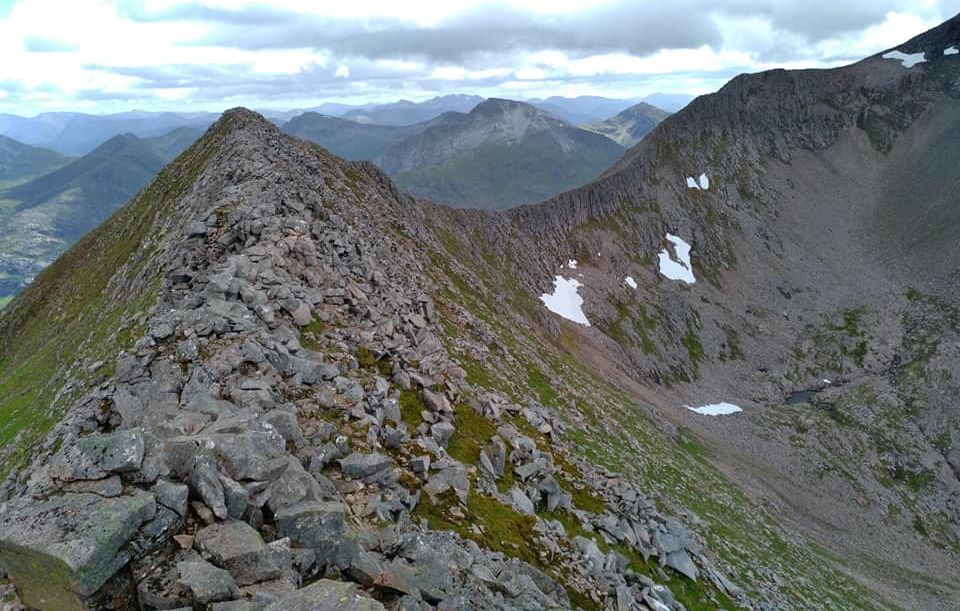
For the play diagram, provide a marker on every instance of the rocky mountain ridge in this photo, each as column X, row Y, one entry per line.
column 320, row 377
column 288, row 409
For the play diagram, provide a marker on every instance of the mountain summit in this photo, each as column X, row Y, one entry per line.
column 501, row 153
column 722, row 375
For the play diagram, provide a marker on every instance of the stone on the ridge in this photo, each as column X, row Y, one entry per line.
column 442, row 432
column 359, row 466
column 61, row 550
column 521, row 502
column 453, row 477
column 311, row 524
column 96, row 456
column 326, row 595
column 681, row 562
column 437, row 402
column 196, row 229
column 237, row 547
column 207, row 583
column 300, row 312
column 172, row 496
column 244, row 456
column 204, row 478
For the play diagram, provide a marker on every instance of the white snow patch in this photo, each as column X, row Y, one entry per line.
column 716, row 409
column 565, row 300
column 572, row 264
column 692, row 183
column 704, row 182
column 629, row 281
column 679, row 268
column 951, row 51
column 908, row 60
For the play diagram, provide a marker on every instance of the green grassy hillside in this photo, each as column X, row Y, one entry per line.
column 20, row 162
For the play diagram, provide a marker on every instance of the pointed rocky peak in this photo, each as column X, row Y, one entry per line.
column 241, row 118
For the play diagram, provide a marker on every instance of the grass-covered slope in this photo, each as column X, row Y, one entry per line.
column 65, row 330
column 498, row 175
column 495, row 329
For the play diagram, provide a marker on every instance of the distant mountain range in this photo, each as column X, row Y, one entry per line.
column 589, row 109
column 501, row 153
column 73, row 133
column 62, row 173
column 631, row 125
column 348, row 138
column 43, row 216
column 408, row 113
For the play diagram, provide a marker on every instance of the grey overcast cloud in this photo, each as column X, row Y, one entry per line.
column 112, row 55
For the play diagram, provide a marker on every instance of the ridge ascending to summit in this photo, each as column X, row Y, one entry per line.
column 272, row 368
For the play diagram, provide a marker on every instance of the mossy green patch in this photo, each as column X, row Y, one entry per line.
column 411, row 404
column 472, row 432
column 310, row 335
column 365, row 357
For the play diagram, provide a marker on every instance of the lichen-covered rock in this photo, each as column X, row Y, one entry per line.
column 207, row 583
column 96, row 456
column 312, row 524
column 326, row 595
column 60, row 551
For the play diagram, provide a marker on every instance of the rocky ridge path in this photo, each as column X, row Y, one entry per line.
column 286, row 433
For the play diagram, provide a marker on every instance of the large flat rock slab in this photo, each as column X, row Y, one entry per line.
column 326, row 595
column 60, row 551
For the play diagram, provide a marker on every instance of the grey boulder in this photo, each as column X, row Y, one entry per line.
column 326, row 595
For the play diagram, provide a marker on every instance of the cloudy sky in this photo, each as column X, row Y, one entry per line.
column 110, row 55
